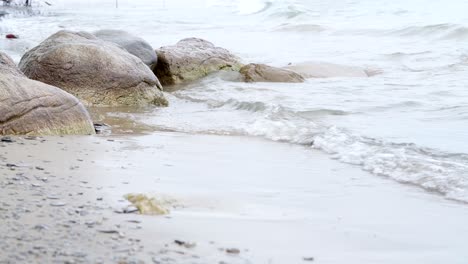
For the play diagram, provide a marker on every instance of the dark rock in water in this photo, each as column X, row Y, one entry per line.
column 11, row 36
column 31, row 107
column 191, row 59
column 133, row 44
column 96, row 71
column 264, row 73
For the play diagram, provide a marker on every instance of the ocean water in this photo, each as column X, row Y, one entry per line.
column 409, row 122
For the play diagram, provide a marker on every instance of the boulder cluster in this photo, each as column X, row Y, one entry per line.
column 31, row 107
column 48, row 92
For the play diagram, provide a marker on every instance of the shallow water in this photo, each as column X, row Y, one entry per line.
column 407, row 123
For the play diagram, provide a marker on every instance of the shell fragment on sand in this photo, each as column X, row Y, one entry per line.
column 263, row 73
column 133, row 44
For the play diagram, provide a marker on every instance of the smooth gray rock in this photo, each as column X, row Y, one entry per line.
column 98, row 72
column 264, row 73
column 191, row 59
column 32, row 107
column 133, row 44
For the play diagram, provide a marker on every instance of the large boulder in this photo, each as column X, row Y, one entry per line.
column 98, row 72
column 191, row 59
column 7, row 66
column 326, row 70
column 264, row 73
column 32, row 107
column 133, row 44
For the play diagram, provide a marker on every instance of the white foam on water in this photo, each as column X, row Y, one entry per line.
column 407, row 123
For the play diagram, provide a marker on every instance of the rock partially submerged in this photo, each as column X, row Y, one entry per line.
column 98, row 72
column 264, row 73
column 326, row 70
column 32, row 107
column 133, row 44
column 191, row 59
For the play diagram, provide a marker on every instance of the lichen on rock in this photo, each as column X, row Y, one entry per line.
column 98, row 72
column 148, row 205
column 191, row 59
column 34, row 108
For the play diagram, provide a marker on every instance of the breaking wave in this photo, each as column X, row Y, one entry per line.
column 288, row 27
column 273, row 10
column 439, row 31
column 431, row 169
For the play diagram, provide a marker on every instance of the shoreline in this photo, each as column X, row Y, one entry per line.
column 275, row 203
column 250, row 196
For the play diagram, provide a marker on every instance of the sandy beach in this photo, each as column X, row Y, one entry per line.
column 275, row 203
column 234, row 132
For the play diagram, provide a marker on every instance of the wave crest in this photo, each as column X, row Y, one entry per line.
column 291, row 27
column 430, row 169
column 440, row 31
column 445, row 173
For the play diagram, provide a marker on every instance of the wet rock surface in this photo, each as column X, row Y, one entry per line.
column 191, row 59
column 98, row 72
column 327, row 70
column 133, row 44
column 32, row 107
column 264, row 73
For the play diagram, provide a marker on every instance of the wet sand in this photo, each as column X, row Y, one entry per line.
column 274, row 202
